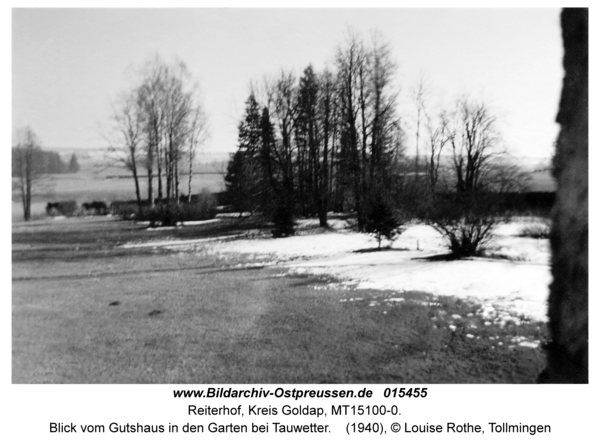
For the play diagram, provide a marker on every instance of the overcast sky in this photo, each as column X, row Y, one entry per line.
column 69, row 65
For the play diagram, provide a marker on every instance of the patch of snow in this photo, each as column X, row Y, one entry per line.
column 519, row 287
column 306, row 223
column 502, row 286
column 324, row 245
column 529, row 344
column 198, row 222
column 337, row 224
column 232, row 215
column 177, row 243
column 394, row 300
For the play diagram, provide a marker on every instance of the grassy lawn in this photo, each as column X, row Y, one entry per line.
column 86, row 311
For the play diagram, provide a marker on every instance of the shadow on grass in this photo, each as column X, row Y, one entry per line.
column 375, row 249
column 439, row 258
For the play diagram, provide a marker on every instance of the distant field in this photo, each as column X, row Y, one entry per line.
column 542, row 181
column 87, row 186
column 99, row 158
column 102, row 178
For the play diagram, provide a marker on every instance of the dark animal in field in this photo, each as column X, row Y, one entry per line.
column 567, row 351
column 96, row 207
column 63, row 208
column 52, row 209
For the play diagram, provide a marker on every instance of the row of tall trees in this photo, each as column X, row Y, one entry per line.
column 327, row 140
column 159, row 125
column 333, row 140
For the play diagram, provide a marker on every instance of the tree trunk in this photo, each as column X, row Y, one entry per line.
column 567, row 353
column 324, row 196
column 149, row 166
column 159, row 174
column 176, row 177
column 190, row 173
column 138, row 196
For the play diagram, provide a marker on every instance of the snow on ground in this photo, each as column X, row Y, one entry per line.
column 514, row 279
column 519, row 285
column 516, row 287
column 179, row 224
column 177, row 243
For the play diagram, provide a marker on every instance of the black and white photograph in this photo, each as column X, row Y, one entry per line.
column 299, row 196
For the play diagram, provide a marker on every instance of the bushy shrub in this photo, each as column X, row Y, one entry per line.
column 283, row 218
column 203, row 206
column 125, row 209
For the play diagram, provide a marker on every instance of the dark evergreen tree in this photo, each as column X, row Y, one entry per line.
column 308, row 141
column 278, row 193
column 249, row 130
column 243, row 178
column 236, row 183
column 73, row 164
column 381, row 221
column 269, row 187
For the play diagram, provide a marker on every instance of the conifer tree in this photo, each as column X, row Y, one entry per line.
column 73, row 164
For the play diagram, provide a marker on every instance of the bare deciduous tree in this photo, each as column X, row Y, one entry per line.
column 438, row 138
column 369, row 127
column 198, row 134
column 161, row 122
column 419, row 95
column 127, row 121
column 474, row 140
column 29, row 169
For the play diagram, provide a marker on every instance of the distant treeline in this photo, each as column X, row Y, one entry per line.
column 145, row 176
column 529, row 202
column 47, row 162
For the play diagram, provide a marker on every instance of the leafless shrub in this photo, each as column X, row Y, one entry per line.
column 467, row 222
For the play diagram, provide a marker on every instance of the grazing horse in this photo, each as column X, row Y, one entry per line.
column 52, row 208
column 96, row 207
